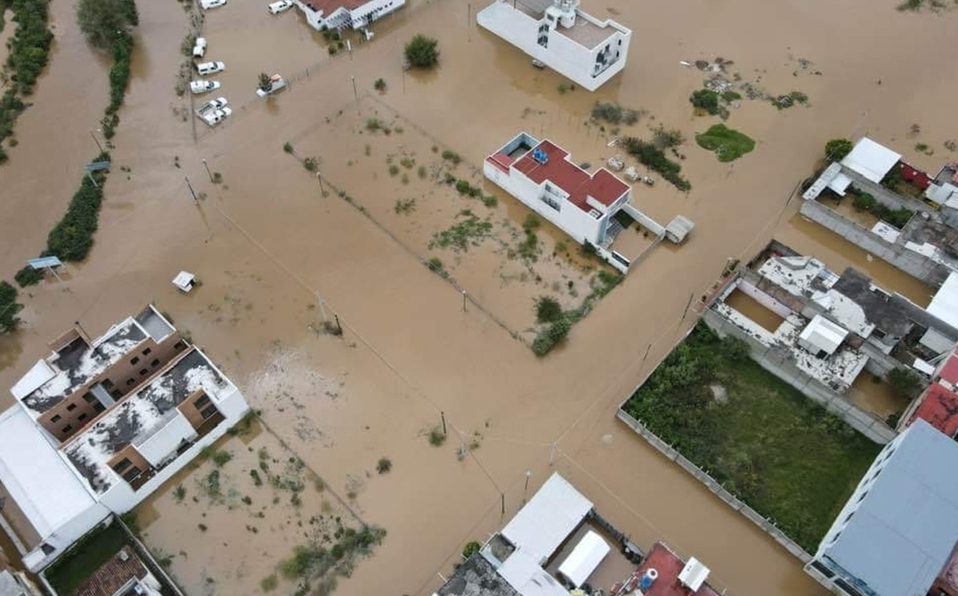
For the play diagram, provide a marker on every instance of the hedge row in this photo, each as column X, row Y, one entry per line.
column 29, row 52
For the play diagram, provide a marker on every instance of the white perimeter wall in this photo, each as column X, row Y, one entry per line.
column 370, row 7
column 65, row 536
column 764, row 299
column 570, row 219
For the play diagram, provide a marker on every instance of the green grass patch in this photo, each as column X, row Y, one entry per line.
column 775, row 449
column 470, row 231
column 85, row 557
column 728, row 144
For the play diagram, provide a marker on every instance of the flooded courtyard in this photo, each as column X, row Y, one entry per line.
column 278, row 260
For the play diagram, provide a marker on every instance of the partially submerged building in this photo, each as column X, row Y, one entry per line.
column 99, row 424
column 559, row 35
column 897, row 532
column 818, row 330
column 926, row 245
column 334, row 15
column 557, row 544
column 542, row 176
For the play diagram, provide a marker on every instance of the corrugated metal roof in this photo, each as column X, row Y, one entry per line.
column 902, row 534
column 945, row 303
column 870, row 159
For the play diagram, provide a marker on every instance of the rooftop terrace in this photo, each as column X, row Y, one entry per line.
column 78, row 362
column 141, row 415
column 669, row 566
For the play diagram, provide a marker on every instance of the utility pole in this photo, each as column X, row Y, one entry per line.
column 190, row 186
column 208, row 173
column 321, row 188
column 193, row 116
column 443, row 416
column 355, row 94
column 97, row 141
column 463, row 301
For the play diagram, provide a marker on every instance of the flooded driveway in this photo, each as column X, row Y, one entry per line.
column 268, row 246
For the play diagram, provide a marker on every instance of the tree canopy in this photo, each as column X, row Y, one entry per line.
column 837, row 149
column 422, row 51
column 102, row 20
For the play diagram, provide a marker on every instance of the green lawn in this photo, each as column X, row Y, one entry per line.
column 84, row 558
column 728, row 144
column 775, row 449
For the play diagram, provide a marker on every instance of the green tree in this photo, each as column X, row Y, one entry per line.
column 471, row 548
column 422, row 51
column 548, row 309
column 904, row 382
column 103, row 21
column 264, row 84
column 8, row 308
column 707, row 100
column 837, row 149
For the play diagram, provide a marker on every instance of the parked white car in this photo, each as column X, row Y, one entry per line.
column 201, row 86
column 216, row 116
column 281, row 6
column 208, row 4
column 217, row 104
column 210, row 67
column 199, row 48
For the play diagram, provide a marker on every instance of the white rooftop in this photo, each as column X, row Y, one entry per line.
column 822, row 334
column 945, row 303
column 870, row 159
column 537, row 531
column 38, row 479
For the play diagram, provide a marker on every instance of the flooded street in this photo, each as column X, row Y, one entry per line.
column 268, row 246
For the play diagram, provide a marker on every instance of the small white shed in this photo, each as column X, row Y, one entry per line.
column 821, row 335
column 584, row 558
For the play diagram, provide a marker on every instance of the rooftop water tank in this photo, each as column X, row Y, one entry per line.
column 648, row 578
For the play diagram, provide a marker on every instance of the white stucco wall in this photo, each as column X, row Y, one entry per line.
column 563, row 55
column 165, row 441
column 318, row 20
column 65, row 536
column 569, row 218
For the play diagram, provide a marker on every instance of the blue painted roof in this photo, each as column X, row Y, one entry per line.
column 902, row 534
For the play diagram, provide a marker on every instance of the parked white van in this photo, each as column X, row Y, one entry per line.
column 208, row 4
column 199, row 48
column 200, row 86
column 281, row 6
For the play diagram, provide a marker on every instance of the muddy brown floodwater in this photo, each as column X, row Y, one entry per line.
column 267, row 246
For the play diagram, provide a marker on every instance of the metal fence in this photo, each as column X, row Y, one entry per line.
column 713, row 485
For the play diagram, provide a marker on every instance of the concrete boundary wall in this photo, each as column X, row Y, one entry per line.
column 780, row 365
column 918, row 266
column 749, row 289
column 644, row 220
column 710, row 483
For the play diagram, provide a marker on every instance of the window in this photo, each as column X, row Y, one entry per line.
column 208, row 412
column 56, row 418
column 143, row 372
column 108, row 384
column 155, row 363
column 89, row 398
column 71, row 407
column 67, row 429
column 82, row 417
column 179, row 345
column 202, row 402
column 116, row 394
column 122, row 465
column 147, row 351
column 132, row 474
column 819, row 567
column 847, row 588
column 135, row 360
column 98, row 407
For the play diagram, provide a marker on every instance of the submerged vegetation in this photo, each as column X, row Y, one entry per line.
column 29, row 53
column 728, row 144
column 559, row 324
column 651, row 156
column 779, row 452
column 9, row 307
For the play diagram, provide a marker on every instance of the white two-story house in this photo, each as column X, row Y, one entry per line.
column 345, row 14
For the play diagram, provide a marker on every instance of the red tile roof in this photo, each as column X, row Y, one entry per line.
column 939, row 408
column 950, row 371
column 601, row 186
column 669, row 565
column 112, row 575
column 500, row 160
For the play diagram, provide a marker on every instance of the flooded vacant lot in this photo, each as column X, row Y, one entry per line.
column 269, row 248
